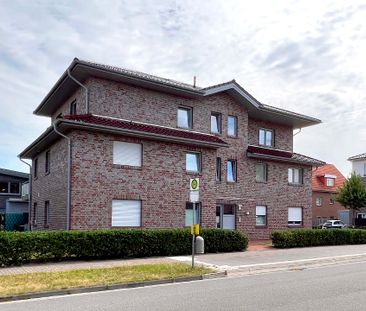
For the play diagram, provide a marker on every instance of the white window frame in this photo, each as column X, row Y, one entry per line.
column 117, row 212
column 189, row 111
column 292, row 176
column 265, row 171
column 118, row 153
column 226, row 221
column 318, row 201
column 295, row 216
column 199, row 162
column 261, row 211
column 265, row 133
column 330, row 182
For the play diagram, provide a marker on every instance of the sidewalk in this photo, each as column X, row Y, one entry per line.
column 270, row 259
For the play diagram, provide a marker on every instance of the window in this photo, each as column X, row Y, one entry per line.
column 364, row 169
column 47, row 162
column 232, row 126
column 73, row 108
column 225, row 216
column 126, row 213
column 330, row 182
column 4, row 187
column 127, row 153
column 14, row 187
column 266, row 137
column 260, row 215
column 46, row 212
column 231, row 171
column 185, row 117
column 35, row 168
column 218, row 169
column 35, row 214
column 10, row 187
column 193, row 162
column 331, row 201
column 295, row 176
column 295, row 216
column 319, row 201
column 189, row 214
column 215, row 122
column 261, row 172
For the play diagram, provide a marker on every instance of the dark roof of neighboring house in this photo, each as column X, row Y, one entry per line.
column 7, row 172
column 281, row 155
column 361, row 156
column 123, row 127
column 81, row 70
column 319, row 175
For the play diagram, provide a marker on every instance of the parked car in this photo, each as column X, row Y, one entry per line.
column 333, row 224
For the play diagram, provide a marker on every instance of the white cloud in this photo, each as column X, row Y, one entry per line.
column 306, row 56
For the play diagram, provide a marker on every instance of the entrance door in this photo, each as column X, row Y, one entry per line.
column 225, row 216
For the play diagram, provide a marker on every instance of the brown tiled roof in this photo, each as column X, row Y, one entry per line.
column 318, row 179
column 282, row 155
column 144, row 128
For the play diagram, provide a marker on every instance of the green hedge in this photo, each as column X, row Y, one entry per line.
column 317, row 237
column 22, row 247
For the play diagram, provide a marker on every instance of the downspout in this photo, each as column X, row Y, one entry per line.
column 68, row 201
column 86, row 91
column 30, row 193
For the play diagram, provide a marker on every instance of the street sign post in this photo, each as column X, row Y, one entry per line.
column 194, row 186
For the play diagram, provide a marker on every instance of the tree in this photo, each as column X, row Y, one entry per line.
column 352, row 194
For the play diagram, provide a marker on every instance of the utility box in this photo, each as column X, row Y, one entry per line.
column 200, row 245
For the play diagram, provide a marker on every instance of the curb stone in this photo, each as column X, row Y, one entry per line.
column 80, row 290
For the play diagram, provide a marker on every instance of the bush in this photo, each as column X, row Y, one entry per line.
column 22, row 247
column 317, row 237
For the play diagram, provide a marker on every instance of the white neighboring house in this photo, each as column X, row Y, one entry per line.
column 359, row 168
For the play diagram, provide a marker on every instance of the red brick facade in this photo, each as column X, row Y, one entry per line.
column 162, row 182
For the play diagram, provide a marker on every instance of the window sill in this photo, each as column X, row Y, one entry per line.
column 265, row 146
column 231, row 136
column 261, row 181
column 10, row 194
column 295, row 226
column 216, row 133
column 129, row 167
column 193, row 173
column 231, row 182
column 295, row 184
column 261, row 227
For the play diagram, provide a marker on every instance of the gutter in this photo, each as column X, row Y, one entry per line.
column 84, row 87
column 68, row 200
column 30, row 193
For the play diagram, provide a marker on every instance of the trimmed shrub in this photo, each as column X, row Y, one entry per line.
column 317, row 237
column 17, row 248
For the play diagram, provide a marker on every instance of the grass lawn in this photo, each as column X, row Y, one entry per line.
column 39, row 282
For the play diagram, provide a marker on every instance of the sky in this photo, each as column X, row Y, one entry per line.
column 305, row 56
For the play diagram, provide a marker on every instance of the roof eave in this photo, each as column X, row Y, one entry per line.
column 134, row 133
column 281, row 159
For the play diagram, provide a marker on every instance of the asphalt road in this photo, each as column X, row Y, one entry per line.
column 340, row 287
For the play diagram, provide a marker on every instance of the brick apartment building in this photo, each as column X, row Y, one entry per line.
column 325, row 182
column 123, row 145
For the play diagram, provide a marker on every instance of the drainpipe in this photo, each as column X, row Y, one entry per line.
column 297, row 132
column 86, row 91
column 30, row 193
column 68, row 201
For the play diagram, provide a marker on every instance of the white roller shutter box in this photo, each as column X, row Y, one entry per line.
column 127, row 153
column 126, row 213
column 295, row 214
column 260, row 211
